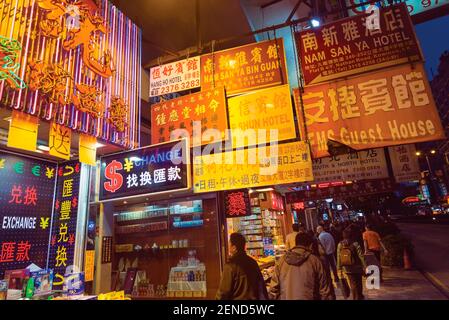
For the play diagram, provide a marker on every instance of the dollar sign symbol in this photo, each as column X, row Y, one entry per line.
column 115, row 179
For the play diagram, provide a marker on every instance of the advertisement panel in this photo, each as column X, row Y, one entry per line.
column 256, row 167
column 173, row 77
column 26, row 201
column 253, row 66
column 357, row 44
column 384, row 108
column 261, row 110
column 154, row 169
column 362, row 165
column 404, row 163
column 209, row 107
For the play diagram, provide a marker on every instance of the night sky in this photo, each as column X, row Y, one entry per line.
column 434, row 39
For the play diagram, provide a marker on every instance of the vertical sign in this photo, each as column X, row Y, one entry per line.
column 106, row 252
column 62, row 243
column 404, row 163
column 26, row 199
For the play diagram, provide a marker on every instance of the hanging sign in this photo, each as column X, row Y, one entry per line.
column 237, row 203
column 404, row 163
column 189, row 115
column 88, row 149
column 151, row 170
column 384, row 108
column 253, row 66
column 26, row 199
column 23, row 131
column 357, row 44
column 59, row 141
column 255, row 167
column 177, row 76
column 252, row 114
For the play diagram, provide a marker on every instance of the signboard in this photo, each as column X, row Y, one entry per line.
column 89, row 264
column 383, row 108
column 237, row 203
column 357, row 44
column 404, row 163
column 362, row 165
column 177, row 76
column 65, row 218
column 414, row 6
column 253, row 66
column 361, row 188
column 256, row 167
column 26, row 201
column 150, row 170
column 23, row 131
column 206, row 107
column 262, row 110
column 106, row 250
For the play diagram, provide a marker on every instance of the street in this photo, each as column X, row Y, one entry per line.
column 431, row 250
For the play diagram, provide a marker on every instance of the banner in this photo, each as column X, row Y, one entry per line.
column 253, row 66
column 362, row 165
column 256, row 167
column 64, row 225
column 151, row 170
column 208, row 107
column 384, row 108
column 357, row 44
column 404, row 163
column 261, row 110
column 414, row 6
column 26, row 200
column 358, row 189
column 173, row 77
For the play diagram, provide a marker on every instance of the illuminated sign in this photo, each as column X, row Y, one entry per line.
column 150, row 170
column 237, row 203
column 414, row 6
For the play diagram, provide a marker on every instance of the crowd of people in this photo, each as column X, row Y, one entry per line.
column 314, row 265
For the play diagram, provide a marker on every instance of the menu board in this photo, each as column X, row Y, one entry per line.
column 26, row 202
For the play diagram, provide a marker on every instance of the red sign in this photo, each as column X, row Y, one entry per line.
column 208, row 108
column 357, row 44
column 357, row 189
column 237, row 203
column 254, row 66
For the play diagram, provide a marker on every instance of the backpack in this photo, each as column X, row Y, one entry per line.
column 347, row 255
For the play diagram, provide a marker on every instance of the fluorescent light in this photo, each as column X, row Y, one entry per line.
column 135, row 159
column 99, row 145
column 315, row 22
column 263, row 190
column 43, row 148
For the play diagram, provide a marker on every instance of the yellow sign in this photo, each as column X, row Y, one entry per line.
column 59, row 141
column 89, row 259
column 88, row 149
column 23, row 131
column 255, row 167
column 268, row 109
column 115, row 295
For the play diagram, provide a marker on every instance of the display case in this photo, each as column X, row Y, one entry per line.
column 172, row 246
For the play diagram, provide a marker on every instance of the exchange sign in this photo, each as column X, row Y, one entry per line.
column 379, row 109
column 357, row 44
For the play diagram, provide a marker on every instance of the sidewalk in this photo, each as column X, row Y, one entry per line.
column 401, row 284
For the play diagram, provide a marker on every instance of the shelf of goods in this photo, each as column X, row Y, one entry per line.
column 187, row 282
column 252, row 228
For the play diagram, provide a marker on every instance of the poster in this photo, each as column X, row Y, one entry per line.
column 26, row 201
column 65, row 218
column 357, row 44
column 255, row 167
column 265, row 110
column 384, row 108
column 404, row 163
column 358, row 189
column 150, row 170
column 177, row 76
column 253, row 66
column 189, row 114
column 361, row 165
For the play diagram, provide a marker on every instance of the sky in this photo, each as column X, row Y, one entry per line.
column 434, row 38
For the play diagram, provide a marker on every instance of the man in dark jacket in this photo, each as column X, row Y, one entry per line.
column 241, row 279
column 300, row 275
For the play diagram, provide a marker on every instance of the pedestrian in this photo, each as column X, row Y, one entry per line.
column 241, row 279
column 300, row 275
column 290, row 238
column 351, row 264
column 373, row 243
column 328, row 243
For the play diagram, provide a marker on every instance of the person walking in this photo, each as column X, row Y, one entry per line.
column 300, row 275
column 291, row 237
column 351, row 264
column 241, row 279
column 328, row 243
column 373, row 243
